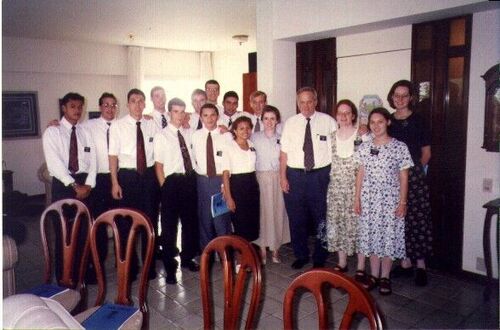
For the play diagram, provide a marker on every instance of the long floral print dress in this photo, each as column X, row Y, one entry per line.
column 380, row 232
column 341, row 221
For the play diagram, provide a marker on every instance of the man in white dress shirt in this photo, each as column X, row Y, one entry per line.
column 71, row 160
column 175, row 172
column 198, row 99
column 209, row 170
column 159, row 113
column 304, row 173
column 230, row 113
column 70, row 153
column 212, row 88
column 258, row 100
column 131, row 161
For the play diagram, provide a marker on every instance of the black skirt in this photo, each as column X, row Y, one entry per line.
column 245, row 192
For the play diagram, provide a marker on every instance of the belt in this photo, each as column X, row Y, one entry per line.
column 182, row 174
column 303, row 170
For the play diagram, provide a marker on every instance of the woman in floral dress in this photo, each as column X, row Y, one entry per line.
column 381, row 198
column 341, row 221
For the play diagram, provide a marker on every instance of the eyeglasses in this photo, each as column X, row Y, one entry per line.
column 110, row 106
column 400, row 96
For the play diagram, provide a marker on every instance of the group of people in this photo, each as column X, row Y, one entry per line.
column 360, row 188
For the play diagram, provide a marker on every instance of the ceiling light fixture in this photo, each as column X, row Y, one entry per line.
column 241, row 38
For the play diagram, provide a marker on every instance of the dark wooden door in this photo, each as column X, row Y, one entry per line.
column 440, row 68
column 317, row 67
column 249, row 86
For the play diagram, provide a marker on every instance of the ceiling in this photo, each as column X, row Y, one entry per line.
column 200, row 25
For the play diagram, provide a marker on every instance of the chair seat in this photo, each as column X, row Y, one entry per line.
column 27, row 311
column 111, row 316
column 68, row 298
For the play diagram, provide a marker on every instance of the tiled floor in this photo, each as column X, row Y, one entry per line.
column 447, row 302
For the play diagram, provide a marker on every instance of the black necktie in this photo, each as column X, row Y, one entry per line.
column 188, row 167
column 163, row 121
column 199, row 124
column 141, row 151
column 230, row 122
column 308, row 148
column 257, row 125
column 107, row 134
column 211, row 172
column 73, row 152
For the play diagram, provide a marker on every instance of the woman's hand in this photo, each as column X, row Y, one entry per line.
column 401, row 210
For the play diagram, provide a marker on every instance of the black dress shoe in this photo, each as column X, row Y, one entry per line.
column 191, row 265
column 299, row 263
column 152, row 274
column 421, row 277
column 400, row 271
column 318, row 264
column 171, row 278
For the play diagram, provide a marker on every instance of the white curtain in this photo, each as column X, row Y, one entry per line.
column 206, row 66
column 135, row 67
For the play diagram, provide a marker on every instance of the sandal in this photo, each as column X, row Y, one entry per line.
column 384, row 286
column 341, row 269
column 370, row 283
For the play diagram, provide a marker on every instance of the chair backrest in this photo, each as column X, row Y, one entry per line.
column 316, row 281
column 126, row 224
column 226, row 247
column 72, row 223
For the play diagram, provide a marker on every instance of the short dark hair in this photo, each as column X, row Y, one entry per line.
column 401, row 83
column 308, row 89
column 136, row 91
column 239, row 120
column 72, row 96
column 351, row 105
column 212, row 82
column 230, row 94
column 257, row 94
column 175, row 101
column 209, row 106
column 381, row 111
column 106, row 95
column 156, row 88
column 270, row 108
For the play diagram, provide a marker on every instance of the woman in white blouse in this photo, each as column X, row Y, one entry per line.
column 241, row 190
column 274, row 230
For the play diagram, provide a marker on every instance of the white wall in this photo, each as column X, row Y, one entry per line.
column 480, row 164
column 369, row 63
column 54, row 68
column 229, row 67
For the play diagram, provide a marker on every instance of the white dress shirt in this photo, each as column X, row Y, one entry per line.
column 56, row 143
column 157, row 117
column 193, row 120
column 167, row 149
column 237, row 160
column 292, row 139
column 199, row 141
column 123, row 141
column 98, row 129
column 268, row 151
column 224, row 119
column 253, row 117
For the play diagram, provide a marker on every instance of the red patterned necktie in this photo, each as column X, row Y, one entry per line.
column 211, row 172
column 188, row 167
column 141, row 151
column 73, row 152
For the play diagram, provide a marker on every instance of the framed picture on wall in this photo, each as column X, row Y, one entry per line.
column 20, row 115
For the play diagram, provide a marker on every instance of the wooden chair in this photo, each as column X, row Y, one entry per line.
column 122, row 313
column 225, row 247
column 316, row 280
column 72, row 223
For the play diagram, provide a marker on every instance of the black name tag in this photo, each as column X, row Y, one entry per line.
column 219, row 153
column 322, row 137
column 278, row 141
column 357, row 143
column 374, row 151
column 86, row 149
column 252, row 149
column 150, row 139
